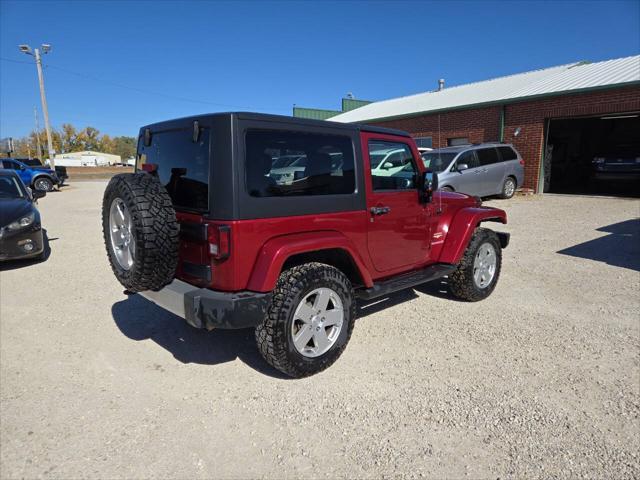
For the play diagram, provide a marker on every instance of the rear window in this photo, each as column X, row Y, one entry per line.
column 182, row 166
column 281, row 163
column 507, row 153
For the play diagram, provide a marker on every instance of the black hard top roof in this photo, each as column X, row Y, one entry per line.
column 280, row 118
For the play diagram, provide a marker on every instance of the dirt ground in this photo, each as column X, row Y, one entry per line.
column 541, row 380
column 77, row 174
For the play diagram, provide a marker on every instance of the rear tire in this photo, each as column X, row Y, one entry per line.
column 508, row 188
column 467, row 282
column 151, row 231
column 281, row 336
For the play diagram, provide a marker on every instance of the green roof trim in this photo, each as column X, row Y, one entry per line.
column 314, row 113
column 349, row 104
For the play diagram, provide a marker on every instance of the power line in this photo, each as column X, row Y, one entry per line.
column 148, row 92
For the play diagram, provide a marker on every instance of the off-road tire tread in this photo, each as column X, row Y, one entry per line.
column 156, row 231
column 461, row 281
column 271, row 334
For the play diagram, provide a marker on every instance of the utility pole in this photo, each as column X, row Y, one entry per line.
column 43, row 98
column 38, row 147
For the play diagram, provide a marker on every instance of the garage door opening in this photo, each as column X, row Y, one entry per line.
column 594, row 156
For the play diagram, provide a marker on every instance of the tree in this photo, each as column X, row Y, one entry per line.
column 69, row 139
column 124, row 146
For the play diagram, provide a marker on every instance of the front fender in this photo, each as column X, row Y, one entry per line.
column 462, row 227
column 276, row 251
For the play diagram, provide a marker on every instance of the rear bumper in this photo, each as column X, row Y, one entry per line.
column 204, row 308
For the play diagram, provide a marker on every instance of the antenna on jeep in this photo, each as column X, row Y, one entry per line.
column 439, row 163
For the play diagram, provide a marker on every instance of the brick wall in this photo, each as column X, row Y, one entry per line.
column 483, row 124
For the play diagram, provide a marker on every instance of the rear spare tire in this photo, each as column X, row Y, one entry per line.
column 140, row 231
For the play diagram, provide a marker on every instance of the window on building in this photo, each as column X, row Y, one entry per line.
column 423, row 142
column 281, row 163
column 455, row 141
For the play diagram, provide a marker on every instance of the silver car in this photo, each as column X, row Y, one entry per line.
column 483, row 170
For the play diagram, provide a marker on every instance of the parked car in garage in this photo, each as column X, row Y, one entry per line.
column 43, row 179
column 482, row 169
column 20, row 228
column 61, row 171
column 616, row 166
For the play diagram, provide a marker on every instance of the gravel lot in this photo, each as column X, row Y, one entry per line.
column 540, row 380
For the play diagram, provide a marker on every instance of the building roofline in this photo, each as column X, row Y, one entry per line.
column 502, row 102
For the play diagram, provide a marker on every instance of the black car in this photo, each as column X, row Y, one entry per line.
column 20, row 228
column 61, row 172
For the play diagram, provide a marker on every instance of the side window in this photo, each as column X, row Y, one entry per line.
column 392, row 166
column 487, row 156
column 10, row 165
column 507, row 153
column 469, row 158
column 281, row 163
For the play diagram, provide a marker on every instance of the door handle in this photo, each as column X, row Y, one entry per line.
column 380, row 210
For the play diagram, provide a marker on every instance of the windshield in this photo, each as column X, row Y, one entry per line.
column 437, row 161
column 10, row 188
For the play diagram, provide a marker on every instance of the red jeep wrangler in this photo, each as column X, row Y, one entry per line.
column 239, row 220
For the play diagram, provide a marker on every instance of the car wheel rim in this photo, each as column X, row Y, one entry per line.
column 317, row 322
column 121, row 233
column 509, row 188
column 484, row 265
column 42, row 185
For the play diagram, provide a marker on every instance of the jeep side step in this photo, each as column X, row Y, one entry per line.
column 407, row 280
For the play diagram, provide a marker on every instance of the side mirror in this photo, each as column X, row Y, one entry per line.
column 462, row 166
column 22, row 167
column 387, row 165
column 38, row 194
column 429, row 184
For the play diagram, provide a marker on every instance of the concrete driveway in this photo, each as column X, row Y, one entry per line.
column 540, row 380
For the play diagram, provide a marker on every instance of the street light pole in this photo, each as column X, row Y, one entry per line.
column 45, row 111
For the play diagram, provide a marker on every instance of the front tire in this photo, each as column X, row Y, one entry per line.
column 478, row 271
column 309, row 321
column 43, row 184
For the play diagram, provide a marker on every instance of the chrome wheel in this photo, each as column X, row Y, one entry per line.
column 43, row 184
column 484, row 265
column 121, row 231
column 509, row 188
column 317, row 322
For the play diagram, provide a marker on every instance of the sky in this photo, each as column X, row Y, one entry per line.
column 122, row 64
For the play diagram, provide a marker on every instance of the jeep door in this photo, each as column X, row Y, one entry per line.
column 467, row 180
column 398, row 233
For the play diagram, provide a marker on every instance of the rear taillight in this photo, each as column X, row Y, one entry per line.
column 220, row 241
column 522, row 162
